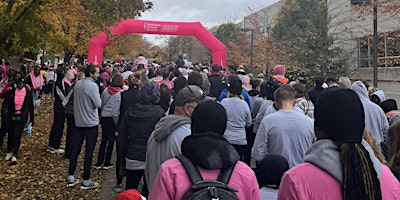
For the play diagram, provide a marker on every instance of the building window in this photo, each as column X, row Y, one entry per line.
column 388, row 50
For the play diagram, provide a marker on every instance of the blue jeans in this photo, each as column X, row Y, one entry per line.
column 90, row 135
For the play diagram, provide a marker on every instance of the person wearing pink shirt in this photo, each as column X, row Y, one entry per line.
column 19, row 103
column 340, row 165
column 208, row 150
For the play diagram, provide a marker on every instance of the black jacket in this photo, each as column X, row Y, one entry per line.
column 314, row 93
column 136, row 126
column 129, row 98
column 217, row 84
column 27, row 107
column 64, row 88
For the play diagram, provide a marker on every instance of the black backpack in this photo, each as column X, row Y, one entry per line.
column 271, row 87
column 206, row 189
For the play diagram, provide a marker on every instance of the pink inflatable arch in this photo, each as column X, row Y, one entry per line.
column 99, row 42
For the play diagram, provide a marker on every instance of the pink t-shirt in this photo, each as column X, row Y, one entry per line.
column 307, row 181
column 19, row 99
column 172, row 181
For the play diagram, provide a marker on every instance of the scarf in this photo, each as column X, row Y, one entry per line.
column 36, row 84
column 67, row 81
column 209, row 150
column 325, row 154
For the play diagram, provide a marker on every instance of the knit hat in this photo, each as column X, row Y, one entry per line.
column 340, row 114
column 235, row 87
column 189, row 94
column 279, row 70
column 209, row 116
column 389, row 105
column 271, row 169
column 149, row 93
column 131, row 194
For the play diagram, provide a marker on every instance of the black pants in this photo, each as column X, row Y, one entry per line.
column 250, row 137
column 15, row 134
column 118, row 165
column 57, row 129
column 70, row 133
column 241, row 149
column 90, row 135
column 107, row 141
column 5, row 127
column 133, row 178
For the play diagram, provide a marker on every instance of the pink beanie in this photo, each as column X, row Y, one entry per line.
column 279, row 70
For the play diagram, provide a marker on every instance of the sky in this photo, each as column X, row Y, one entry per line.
column 209, row 13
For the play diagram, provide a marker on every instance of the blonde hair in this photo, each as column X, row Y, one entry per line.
column 367, row 136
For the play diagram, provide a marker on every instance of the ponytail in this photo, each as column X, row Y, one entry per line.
column 360, row 180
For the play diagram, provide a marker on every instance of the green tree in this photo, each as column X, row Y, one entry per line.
column 21, row 26
column 302, row 39
column 75, row 22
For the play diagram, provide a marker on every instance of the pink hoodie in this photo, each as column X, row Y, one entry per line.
column 172, row 181
column 307, row 181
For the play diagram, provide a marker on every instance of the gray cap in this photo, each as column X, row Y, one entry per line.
column 190, row 94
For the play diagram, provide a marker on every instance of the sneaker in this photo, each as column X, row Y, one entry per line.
column 13, row 160
column 58, row 151
column 8, row 156
column 89, row 184
column 108, row 166
column 118, row 188
column 97, row 166
column 50, row 149
column 72, row 182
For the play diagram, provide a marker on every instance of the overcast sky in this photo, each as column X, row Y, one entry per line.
column 208, row 12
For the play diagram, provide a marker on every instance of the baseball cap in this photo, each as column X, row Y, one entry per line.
column 189, row 94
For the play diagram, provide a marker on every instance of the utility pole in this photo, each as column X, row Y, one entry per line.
column 251, row 44
column 375, row 32
column 375, row 48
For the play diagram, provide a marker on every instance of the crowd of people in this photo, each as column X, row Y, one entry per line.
column 174, row 126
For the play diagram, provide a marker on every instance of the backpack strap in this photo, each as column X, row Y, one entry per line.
column 226, row 173
column 191, row 170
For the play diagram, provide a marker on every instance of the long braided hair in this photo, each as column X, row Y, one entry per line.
column 360, row 180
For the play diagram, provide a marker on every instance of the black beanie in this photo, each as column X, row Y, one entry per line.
column 209, row 116
column 389, row 105
column 340, row 114
column 271, row 169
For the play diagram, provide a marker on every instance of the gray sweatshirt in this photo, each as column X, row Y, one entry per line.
column 165, row 143
column 86, row 102
column 109, row 102
column 239, row 117
column 286, row 132
column 375, row 119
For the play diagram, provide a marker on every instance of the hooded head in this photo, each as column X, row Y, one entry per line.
column 378, row 97
column 361, row 90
